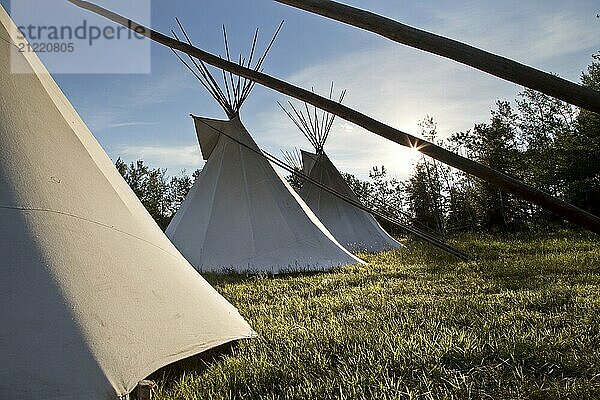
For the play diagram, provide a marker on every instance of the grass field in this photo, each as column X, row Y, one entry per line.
column 522, row 321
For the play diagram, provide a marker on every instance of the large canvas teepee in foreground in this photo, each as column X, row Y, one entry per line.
column 354, row 228
column 93, row 296
column 240, row 214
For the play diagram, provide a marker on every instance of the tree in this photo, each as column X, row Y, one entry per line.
column 362, row 189
column 578, row 152
column 161, row 196
column 542, row 120
column 499, row 146
column 178, row 188
column 379, row 194
column 387, row 195
column 425, row 187
column 419, row 197
column 150, row 186
column 461, row 212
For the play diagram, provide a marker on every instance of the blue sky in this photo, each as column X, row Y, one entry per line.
column 147, row 116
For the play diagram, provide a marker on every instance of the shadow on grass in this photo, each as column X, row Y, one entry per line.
column 197, row 364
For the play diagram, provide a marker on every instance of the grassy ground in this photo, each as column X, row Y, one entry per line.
column 523, row 321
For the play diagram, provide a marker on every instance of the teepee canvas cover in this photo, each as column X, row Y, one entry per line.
column 354, row 228
column 240, row 214
column 93, row 296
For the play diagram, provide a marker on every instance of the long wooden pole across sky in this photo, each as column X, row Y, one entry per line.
column 507, row 183
column 496, row 65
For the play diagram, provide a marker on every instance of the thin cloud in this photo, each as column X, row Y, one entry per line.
column 129, row 124
column 163, row 89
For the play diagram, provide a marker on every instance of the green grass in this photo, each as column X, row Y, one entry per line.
column 522, row 321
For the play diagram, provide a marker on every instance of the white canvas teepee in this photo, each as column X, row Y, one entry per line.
column 240, row 214
column 93, row 295
column 354, row 228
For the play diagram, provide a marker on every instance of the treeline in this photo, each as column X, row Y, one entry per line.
column 161, row 195
column 545, row 142
column 538, row 139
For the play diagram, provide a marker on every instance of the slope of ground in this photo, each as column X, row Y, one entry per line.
column 521, row 321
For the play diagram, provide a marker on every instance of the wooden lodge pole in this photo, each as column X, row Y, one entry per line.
column 496, row 65
column 505, row 182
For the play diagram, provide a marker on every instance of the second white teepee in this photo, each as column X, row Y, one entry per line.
column 240, row 214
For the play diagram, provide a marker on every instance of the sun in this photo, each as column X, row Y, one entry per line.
column 415, row 151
